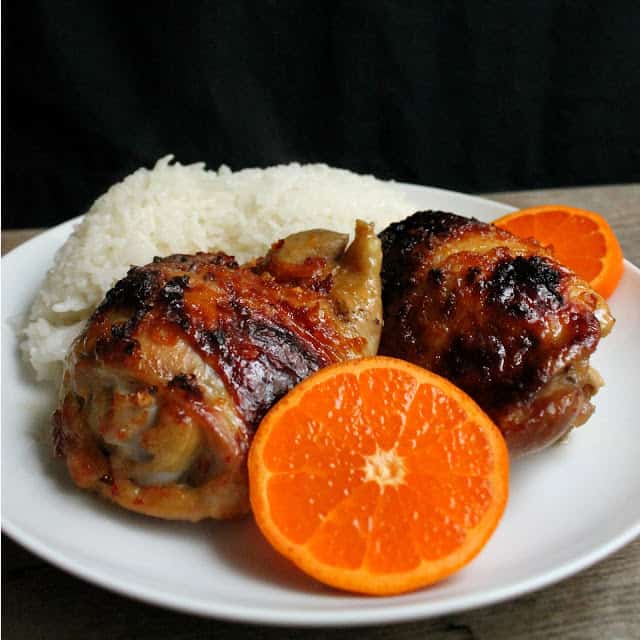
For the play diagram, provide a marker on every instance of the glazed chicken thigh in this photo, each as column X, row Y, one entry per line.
column 499, row 317
column 165, row 387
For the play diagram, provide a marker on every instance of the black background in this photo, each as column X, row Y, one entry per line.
column 475, row 96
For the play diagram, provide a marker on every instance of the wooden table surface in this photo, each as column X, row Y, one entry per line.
column 40, row 601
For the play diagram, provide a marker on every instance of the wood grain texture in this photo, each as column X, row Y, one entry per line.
column 14, row 237
column 39, row 601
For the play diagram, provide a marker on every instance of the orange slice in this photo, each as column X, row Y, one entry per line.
column 377, row 476
column 581, row 240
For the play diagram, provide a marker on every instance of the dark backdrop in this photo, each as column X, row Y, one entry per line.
column 469, row 95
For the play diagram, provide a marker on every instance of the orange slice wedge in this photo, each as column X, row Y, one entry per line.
column 377, row 476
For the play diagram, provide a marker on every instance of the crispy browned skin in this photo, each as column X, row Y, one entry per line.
column 496, row 315
column 166, row 385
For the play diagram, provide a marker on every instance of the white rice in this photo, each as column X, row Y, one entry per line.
column 183, row 209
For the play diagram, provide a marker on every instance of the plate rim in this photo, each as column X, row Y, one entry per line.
column 388, row 614
column 348, row 617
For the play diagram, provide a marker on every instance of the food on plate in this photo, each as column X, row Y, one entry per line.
column 185, row 209
column 371, row 473
column 499, row 317
column 377, row 476
column 164, row 388
column 581, row 240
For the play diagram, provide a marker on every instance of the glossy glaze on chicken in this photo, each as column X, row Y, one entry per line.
column 165, row 387
column 496, row 315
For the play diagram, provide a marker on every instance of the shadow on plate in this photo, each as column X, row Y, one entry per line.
column 240, row 545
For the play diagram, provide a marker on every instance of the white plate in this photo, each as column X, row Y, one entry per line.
column 568, row 508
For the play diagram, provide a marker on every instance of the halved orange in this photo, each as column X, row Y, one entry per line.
column 581, row 240
column 377, row 476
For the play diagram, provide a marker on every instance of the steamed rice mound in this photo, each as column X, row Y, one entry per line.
column 174, row 208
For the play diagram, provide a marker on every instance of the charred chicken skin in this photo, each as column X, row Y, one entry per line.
column 165, row 387
column 499, row 317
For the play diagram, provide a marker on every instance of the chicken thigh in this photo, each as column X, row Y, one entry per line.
column 166, row 385
column 499, row 317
